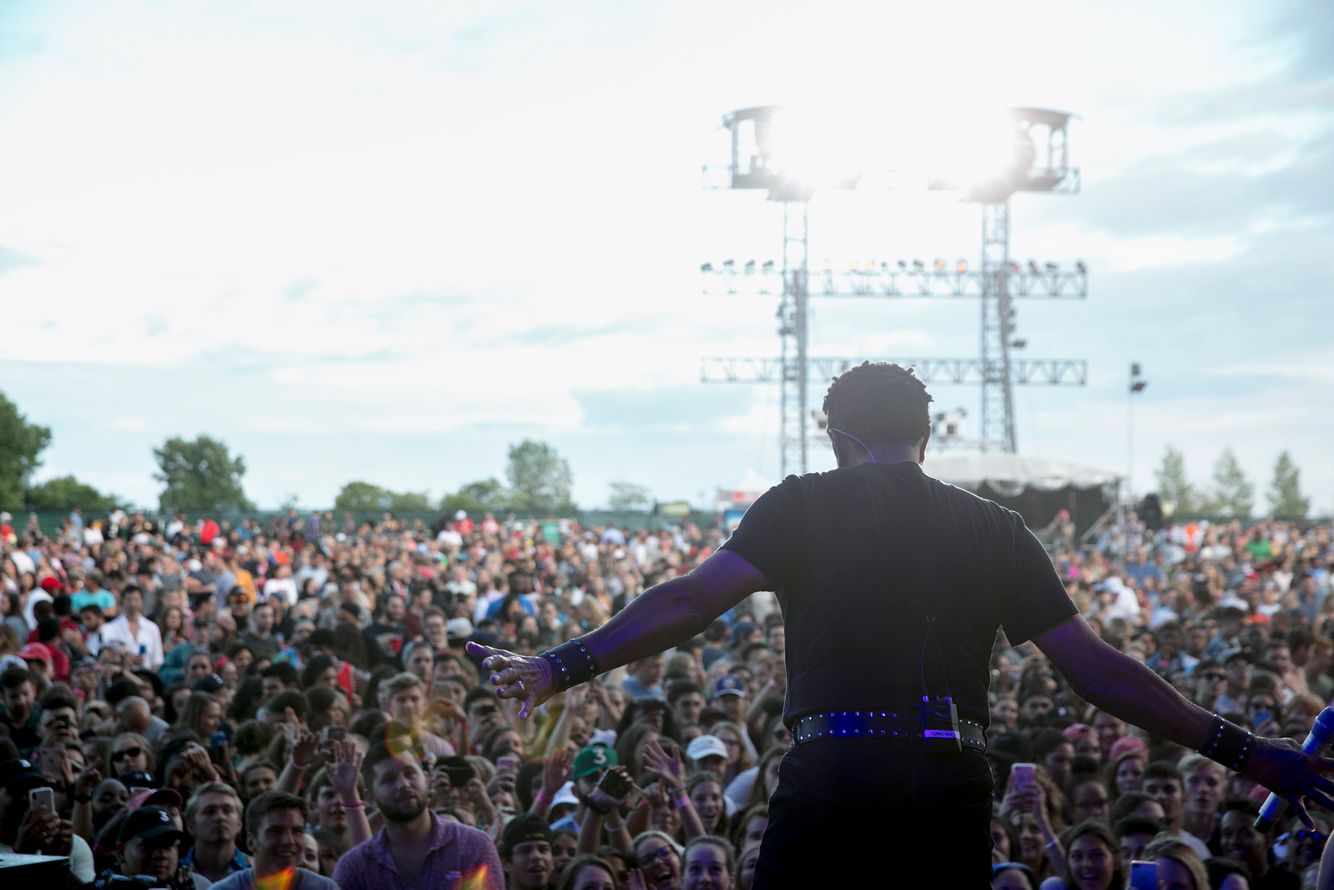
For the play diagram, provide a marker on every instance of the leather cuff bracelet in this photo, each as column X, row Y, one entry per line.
column 1228, row 743
column 571, row 664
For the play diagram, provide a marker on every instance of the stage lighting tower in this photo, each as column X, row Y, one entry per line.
column 770, row 150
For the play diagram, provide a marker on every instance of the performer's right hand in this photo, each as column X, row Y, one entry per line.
column 1281, row 766
column 527, row 678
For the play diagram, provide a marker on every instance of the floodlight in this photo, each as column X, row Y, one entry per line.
column 1018, row 344
column 903, row 265
column 750, row 266
column 918, row 265
column 1138, row 385
column 961, row 266
column 1080, row 267
column 1052, row 267
column 768, row 266
column 706, row 267
column 1033, row 268
column 939, row 264
column 729, row 265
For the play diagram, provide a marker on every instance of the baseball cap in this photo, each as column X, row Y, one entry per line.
column 458, row 628
column 139, row 779
column 18, row 776
column 729, row 684
column 522, row 828
column 1127, row 745
column 160, row 797
column 1010, row 747
column 565, row 796
column 592, row 760
column 1076, row 731
column 211, row 684
column 36, row 652
column 149, row 823
column 706, row 746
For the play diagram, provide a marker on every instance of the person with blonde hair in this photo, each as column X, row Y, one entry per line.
column 1178, row 864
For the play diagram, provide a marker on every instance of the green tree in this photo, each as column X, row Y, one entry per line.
column 200, row 475
column 1174, row 486
column 410, row 502
column 476, row 497
column 540, row 480
column 66, row 493
column 1233, row 494
column 1285, row 490
column 363, row 497
column 21, row 446
column 629, row 496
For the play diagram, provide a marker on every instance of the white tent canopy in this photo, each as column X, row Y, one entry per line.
column 1011, row 473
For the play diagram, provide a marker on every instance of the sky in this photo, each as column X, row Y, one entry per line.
column 385, row 242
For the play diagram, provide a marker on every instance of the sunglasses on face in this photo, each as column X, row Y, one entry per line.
column 129, row 753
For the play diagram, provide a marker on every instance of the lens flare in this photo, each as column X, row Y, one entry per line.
column 279, row 880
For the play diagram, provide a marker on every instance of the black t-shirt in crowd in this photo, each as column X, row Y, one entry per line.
column 861, row 557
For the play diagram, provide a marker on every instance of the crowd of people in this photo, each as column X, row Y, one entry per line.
column 189, row 703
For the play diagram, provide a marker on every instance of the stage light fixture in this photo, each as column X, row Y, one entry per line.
column 961, row 266
column 939, row 265
column 706, row 267
column 1080, row 267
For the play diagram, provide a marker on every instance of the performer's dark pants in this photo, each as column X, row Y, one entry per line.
column 877, row 813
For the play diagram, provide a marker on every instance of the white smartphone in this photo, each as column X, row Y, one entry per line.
column 42, row 799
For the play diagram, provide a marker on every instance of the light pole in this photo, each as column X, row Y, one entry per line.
column 1137, row 385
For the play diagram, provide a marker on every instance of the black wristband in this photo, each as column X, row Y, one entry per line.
column 1228, row 744
column 572, row 664
column 81, row 798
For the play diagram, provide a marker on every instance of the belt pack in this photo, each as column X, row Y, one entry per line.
column 904, row 725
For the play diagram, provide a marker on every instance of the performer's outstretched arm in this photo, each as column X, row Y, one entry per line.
column 663, row 616
column 1126, row 688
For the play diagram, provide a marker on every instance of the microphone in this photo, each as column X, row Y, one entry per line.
column 1316, row 739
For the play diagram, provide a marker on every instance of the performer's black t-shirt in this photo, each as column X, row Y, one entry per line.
column 861, row 557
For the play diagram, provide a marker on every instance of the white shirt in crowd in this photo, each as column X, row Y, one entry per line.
column 117, row 633
column 283, row 587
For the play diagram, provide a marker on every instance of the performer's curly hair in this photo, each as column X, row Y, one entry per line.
column 879, row 402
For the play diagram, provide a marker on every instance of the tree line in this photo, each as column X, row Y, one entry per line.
column 1230, row 493
column 201, row 475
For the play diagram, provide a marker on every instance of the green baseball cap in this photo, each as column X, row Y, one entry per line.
column 593, row 759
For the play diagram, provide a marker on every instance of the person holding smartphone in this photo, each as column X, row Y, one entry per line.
column 893, row 586
column 30, row 824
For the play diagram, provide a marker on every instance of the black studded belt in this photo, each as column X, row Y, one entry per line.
column 904, row 725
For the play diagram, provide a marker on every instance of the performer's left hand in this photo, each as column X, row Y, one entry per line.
column 526, row 678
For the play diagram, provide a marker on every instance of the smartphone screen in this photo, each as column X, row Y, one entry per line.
column 1022, row 776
